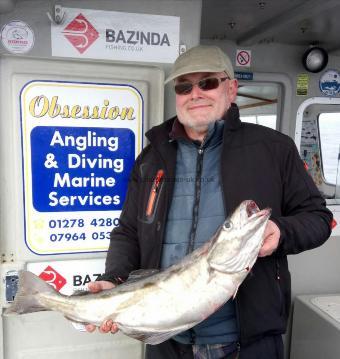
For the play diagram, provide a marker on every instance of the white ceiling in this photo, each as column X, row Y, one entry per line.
column 298, row 22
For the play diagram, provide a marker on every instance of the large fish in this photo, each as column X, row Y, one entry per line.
column 161, row 305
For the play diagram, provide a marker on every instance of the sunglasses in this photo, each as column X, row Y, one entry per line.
column 211, row 83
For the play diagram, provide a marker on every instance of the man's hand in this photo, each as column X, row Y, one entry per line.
column 271, row 239
column 107, row 326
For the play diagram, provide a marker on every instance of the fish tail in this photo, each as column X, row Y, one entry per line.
column 27, row 298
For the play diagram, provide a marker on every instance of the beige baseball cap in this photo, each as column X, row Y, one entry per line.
column 201, row 59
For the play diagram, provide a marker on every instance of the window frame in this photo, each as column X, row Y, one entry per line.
column 304, row 105
column 321, row 153
column 284, row 97
column 334, row 204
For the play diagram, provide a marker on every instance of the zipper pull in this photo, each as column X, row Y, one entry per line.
column 238, row 350
column 278, row 271
column 153, row 194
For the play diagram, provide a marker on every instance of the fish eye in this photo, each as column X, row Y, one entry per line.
column 227, row 225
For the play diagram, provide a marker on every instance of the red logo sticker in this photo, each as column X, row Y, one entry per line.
column 81, row 33
column 51, row 276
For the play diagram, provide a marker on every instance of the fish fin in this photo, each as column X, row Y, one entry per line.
column 236, row 290
column 229, row 266
column 75, row 321
column 152, row 338
column 141, row 274
column 26, row 299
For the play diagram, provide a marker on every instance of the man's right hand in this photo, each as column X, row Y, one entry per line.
column 108, row 326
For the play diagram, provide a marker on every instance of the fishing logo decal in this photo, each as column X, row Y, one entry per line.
column 52, row 277
column 17, row 37
column 113, row 35
column 330, row 83
column 81, row 33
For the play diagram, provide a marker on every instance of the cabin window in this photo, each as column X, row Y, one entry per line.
column 264, row 120
column 258, row 103
column 329, row 130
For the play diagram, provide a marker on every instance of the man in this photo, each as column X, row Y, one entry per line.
column 203, row 163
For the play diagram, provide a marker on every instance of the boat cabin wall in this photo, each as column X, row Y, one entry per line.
column 290, row 98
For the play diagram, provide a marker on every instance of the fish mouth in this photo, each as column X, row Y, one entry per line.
column 253, row 210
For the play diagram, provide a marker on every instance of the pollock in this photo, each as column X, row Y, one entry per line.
column 154, row 307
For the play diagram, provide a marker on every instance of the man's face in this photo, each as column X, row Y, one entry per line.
column 198, row 108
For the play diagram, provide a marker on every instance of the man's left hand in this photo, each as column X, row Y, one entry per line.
column 271, row 239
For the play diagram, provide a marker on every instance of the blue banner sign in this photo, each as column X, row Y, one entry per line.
column 80, row 169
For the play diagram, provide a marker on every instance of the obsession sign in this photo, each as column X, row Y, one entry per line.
column 77, row 159
column 41, row 106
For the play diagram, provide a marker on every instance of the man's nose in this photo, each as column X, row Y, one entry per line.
column 196, row 91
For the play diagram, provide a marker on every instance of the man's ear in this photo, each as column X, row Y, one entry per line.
column 232, row 90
